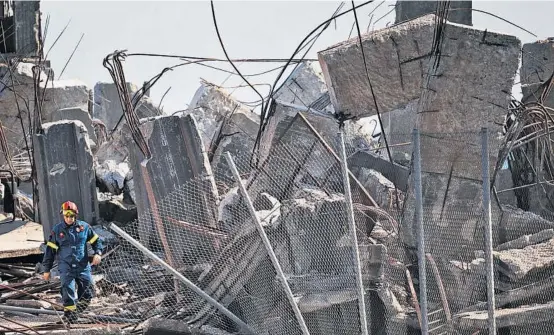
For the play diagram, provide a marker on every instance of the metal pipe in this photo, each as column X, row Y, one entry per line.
column 183, row 279
column 267, row 245
column 352, row 226
column 28, row 310
column 420, row 234
column 489, row 265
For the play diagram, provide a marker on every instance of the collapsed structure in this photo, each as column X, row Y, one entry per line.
column 166, row 179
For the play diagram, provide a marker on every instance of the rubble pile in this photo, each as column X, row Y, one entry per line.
column 184, row 205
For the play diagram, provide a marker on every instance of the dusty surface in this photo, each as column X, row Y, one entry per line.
column 20, row 238
column 520, row 262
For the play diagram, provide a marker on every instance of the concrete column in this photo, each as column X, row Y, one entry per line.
column 176, row 184
column 64, row 172
column 537, row 66
column 460, row 11
column 26, row 15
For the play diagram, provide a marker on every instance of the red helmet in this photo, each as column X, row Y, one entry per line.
column 69, row 206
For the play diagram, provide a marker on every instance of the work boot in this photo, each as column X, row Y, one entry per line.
column 70, row 317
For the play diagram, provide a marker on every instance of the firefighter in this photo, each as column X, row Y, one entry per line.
column 68, row 241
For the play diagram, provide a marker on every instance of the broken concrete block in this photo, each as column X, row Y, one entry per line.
column 113, row 210
column 537, row 62
column 380, row 188
column 504, row 185
column 303, row 86
column 455, row 219
column 212, row 107
column 460, row 11
column 179, row 162
column 27, row 27
column 398, row 125
column 516, row 223
column 312, row 248
column 518, row 263
column 65, row 172
column 57, row 95
column 111, row 176
column 527, row 240
column 115, row 148
column 398, row 175
column 480, row 70
column 236, row 135
column 75, row 114
column 107, row 105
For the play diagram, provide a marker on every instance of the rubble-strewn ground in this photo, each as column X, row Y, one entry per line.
column 166, row 180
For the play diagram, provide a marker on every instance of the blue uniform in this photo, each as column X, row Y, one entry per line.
column 69, row 244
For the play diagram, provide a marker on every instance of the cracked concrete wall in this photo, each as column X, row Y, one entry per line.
column 65, row 172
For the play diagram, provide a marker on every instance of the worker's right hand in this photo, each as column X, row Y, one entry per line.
column 46, row 276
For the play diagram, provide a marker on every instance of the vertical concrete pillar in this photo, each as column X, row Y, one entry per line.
column 176, row 185
column 460, row 11
column 26, row 15
column 64, row 172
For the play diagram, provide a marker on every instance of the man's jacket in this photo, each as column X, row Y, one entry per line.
column 69, row 243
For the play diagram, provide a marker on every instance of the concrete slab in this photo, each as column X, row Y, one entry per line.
column 65, row 172
column 518, row 263
column 20, row 238
column 475, row 75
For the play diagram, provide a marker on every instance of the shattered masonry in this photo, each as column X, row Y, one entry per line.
column 183, row 203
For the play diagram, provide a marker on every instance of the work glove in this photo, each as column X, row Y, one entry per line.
column 46, row 276
column 96, row 260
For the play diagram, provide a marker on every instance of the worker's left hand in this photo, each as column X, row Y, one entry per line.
column 96, row 259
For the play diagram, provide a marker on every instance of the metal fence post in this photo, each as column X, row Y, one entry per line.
column 420, row 234
column 354, row 238
column 267, row 245
column 488, row 230
column 183, row 279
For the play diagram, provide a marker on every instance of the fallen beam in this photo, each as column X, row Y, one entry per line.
column 518, row 295
column 527, row 240
column 525, row 315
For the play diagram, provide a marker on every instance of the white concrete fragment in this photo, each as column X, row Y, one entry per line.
column 112, row 174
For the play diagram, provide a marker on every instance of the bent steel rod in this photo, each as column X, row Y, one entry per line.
column 267, row 245
column 183, row 279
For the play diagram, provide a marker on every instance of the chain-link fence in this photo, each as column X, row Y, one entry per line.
column 297, row 194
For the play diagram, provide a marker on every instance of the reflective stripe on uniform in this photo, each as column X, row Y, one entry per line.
column 70, row 308
column 52, row 245
column 93, row 239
